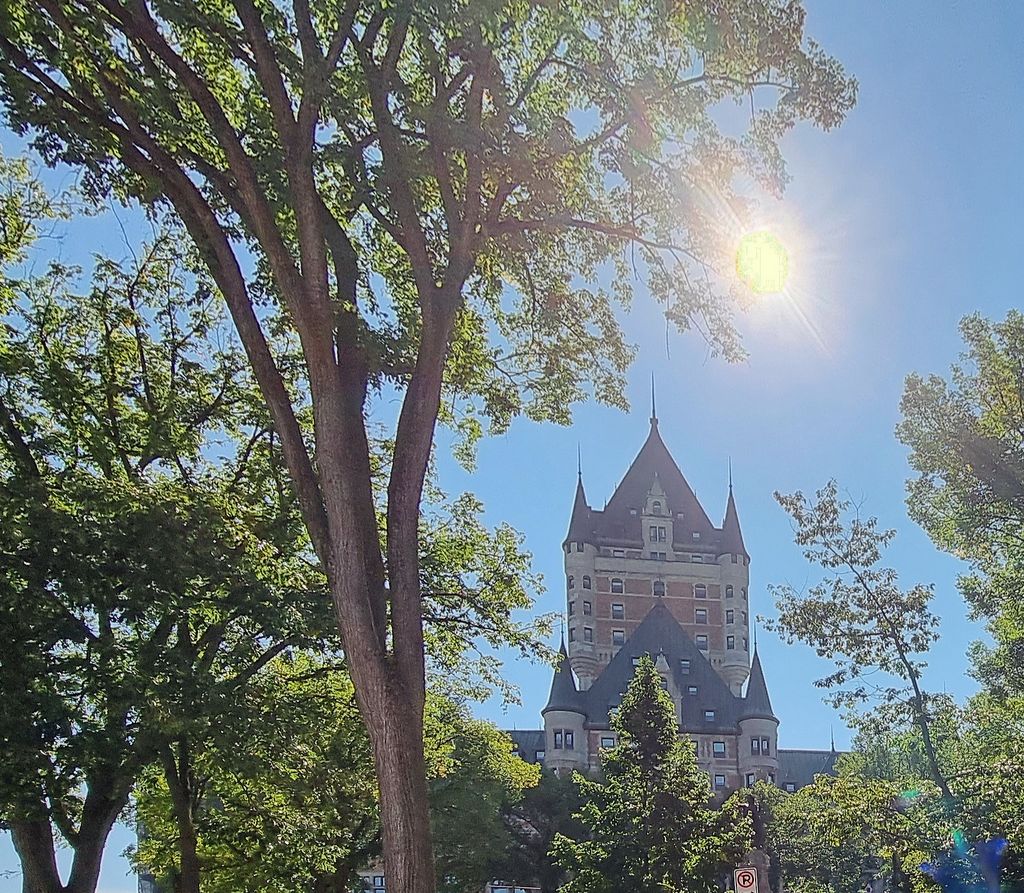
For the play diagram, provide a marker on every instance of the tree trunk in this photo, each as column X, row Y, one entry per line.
column 177, row 774
column 33, row 841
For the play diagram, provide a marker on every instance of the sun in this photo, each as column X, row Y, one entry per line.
column 762, row 262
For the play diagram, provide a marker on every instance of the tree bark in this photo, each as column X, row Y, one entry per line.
column 33, row 841
column 177, row 774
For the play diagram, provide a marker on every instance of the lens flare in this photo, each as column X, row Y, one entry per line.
column 762, row 262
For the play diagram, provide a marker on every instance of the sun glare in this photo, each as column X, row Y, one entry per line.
column 762, row 262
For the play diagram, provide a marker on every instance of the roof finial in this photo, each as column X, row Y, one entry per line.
column 730, row 474
column 755, row 634
column 832, row 735
column 654, row 407
column 579, row 461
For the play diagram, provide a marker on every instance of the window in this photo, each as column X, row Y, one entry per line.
column 691, row 689
column 730, row 616
column 755, row 745
column 700, row 615
column 702, row 643
column 558, row 739
column 659, row 588
column 618, row 611
column 719, row 782
column 568, row 739
column 636, row 660
column 709, row 716
column 588, row 634
column 771, row 778
column 746, row 646
column 728, row 592
column 617, row 586
column 571, row 582
column 661, row 535
column 700, row 591
column 572, row 634
column 766, row 746
column 730, row 643
column 734, row 558
column 790, row 787
column 378, row 884
column 572, row 608
column 618, row 553
column 696, row 535
column 750, row 779
column 697, row 559
column 586, row 582
column 653, row 534
column 664, row 683
column 743, row 592
column 607, row 741
column 744, row 615
column 618, row 637
column 539, row 756
column 656, row 510
column 588, row 609
column 659, row 556
column 718, row 748
column 579, row 547
column 684, row 666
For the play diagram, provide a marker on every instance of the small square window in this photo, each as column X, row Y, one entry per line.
column 696, row 535
column 691, row 689
column 790, row 787
column 588, row 634
column 730, row 643
column 618, row 637
column 702, row 643
column 588, row 609
column 698, row 559
column 700, row 591
column 709, row 716
column 607, row 741
column 618, row 553
column 618, row 611
column 658, row 588
column 617, row 585
column 718, row 748
column 636, row 661
column 719, row 782
column 378, row 880
column 684, row 666
column 700, row 615
column 539, row 756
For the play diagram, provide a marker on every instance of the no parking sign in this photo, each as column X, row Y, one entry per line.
column 744, row 880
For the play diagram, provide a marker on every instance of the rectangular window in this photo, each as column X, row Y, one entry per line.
column 750, row 779
column 691, row 690
column 636, row 661
column 697, row 559
column 588, row 609
column 696, row 535
column 618, row 637
column 588, row 634
column 659, row 556
column 730, row 616
column 572, row 634
column 558, row 739
column 746, row 646
column 607, row 742
column 718, row 748
column 661, row 535
column 702, row 643
column 568, row 739
column 684, row 666
column 700, row 615
column 709, row 716
column 766, row 746
column 618, row 553
column 618, row 611
column 728, row 592
column 790, row 787
column 654, row 534
column 719, row 782
column 539, row 756
column 572, row 608
column 755, row 745
column 579, row 547
column 617, row 586
column 730, row 643
column 700, row 591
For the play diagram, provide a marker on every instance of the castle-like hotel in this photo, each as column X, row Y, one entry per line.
column 651, row 574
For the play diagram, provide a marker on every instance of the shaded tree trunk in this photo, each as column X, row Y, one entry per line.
column 33, row 841
column 178, row 774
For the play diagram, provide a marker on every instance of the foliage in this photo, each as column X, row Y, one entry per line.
column 649, row 822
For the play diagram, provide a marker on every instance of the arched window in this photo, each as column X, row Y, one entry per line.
column 659, row 588
column 700, row 591
column 657, row 507
column 728, row 592
column 586, row 582
column 571, row 582
column 617, row 585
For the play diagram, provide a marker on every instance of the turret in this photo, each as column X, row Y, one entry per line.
column 565, row 747
column 759, row 730
column 735, row 570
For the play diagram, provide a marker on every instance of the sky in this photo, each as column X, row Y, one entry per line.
column 898, row 224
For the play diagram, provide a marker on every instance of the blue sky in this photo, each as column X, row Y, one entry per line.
column 905, row 219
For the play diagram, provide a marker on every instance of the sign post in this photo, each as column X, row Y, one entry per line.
column 744, row 880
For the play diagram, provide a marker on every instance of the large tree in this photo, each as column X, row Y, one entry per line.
column 649, row 823
column 426, row 195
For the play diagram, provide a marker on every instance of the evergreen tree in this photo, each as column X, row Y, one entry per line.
column 650, row 825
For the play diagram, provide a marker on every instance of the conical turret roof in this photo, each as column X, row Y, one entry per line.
column 732, row 536
column 564, row 695
column 581, row 524
column 757, row 704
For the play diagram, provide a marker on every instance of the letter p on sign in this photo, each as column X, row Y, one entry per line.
column 744, row 880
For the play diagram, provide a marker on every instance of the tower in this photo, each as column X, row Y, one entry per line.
column 759, row 730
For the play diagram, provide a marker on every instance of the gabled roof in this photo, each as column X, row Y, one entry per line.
column 660, row 633
column 757, row 704
column 564, row 695
column 732, row 538
column 528, row 742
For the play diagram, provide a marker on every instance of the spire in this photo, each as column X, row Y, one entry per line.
column 732, row 537
column 581, row 523
column 564, row 694
column 832, row 734
column 654, row 407
column 579, row 462
column 757, row 703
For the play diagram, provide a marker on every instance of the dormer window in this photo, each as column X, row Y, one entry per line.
column 709, row 716
column 696, row 535
column 656, row 508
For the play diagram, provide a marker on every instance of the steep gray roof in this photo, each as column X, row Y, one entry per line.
column 732, row 537
column 528, row 743
column 798, row 767
column 660, row 633
column 757, row 704
column 564, row 695
column 581, row 524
